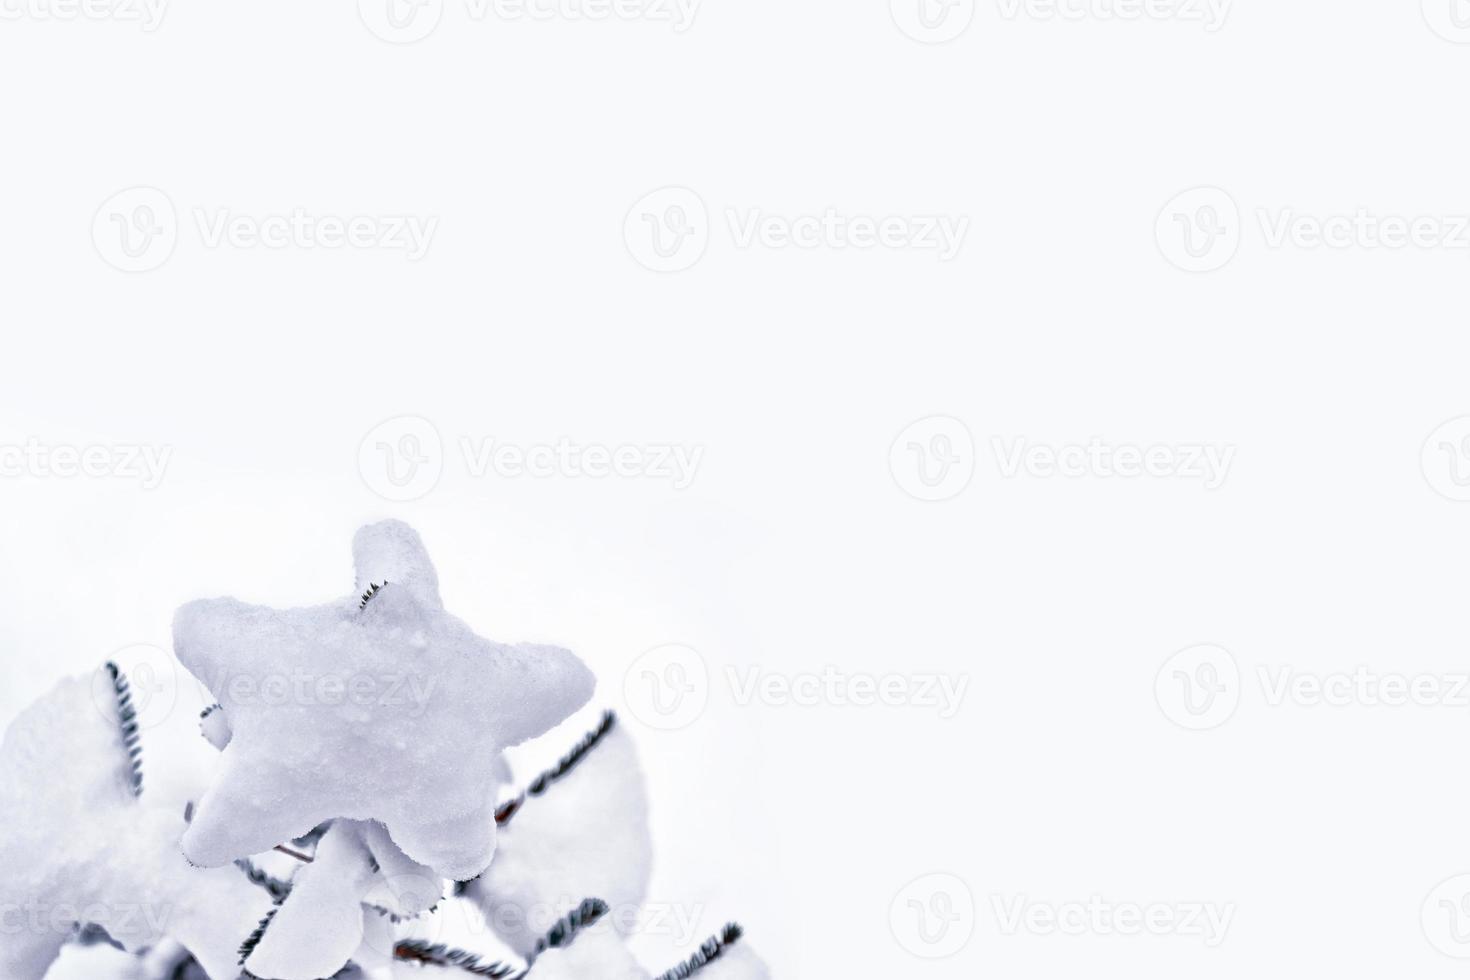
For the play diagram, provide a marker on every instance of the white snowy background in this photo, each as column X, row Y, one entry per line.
column 851, row 840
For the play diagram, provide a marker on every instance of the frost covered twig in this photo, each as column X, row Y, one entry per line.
column 421, row 952
column 541, row 783
column 367, row 596
column 290, row 852
column 276, row 887
column 253, row 940
column 582, row 917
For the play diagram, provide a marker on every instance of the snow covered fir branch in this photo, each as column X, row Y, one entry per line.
column 335, row 831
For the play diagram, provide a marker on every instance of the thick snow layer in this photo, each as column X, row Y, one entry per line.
column 737, row 962
column 78, row 846
column 381, row 708
column 586, row 835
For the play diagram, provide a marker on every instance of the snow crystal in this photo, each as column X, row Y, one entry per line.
column 378, row 706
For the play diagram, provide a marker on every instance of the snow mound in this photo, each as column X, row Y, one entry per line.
column 585, row 833
column 736, row 962
column 323, row 922
column 79, row 847
column 596, row 954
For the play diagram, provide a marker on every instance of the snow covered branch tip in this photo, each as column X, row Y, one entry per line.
column 710, row 950
column 582, row 917
column 568, row 762
column 420, row 952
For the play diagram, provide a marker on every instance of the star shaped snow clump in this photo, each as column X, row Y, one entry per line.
column 377, row 706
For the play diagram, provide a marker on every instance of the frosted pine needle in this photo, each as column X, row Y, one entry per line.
column 128, row 721
column 372, row 590
column 568, row 762
column 709, row 951
column 420, row 952
column 582, row 917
